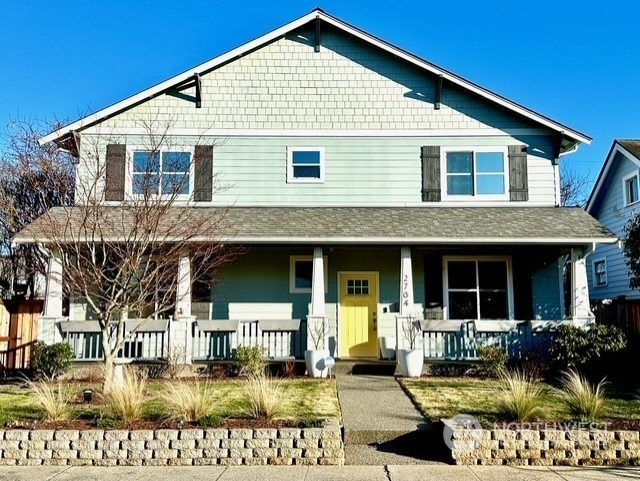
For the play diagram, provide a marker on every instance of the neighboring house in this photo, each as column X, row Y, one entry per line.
column 614, row 201
column 369, row 185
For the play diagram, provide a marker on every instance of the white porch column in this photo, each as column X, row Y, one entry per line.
column 580, row 305
column 317, row 283
column 180, row 329
column 53, row 295
column 406, row 302
column 48, row 331
column 183, row 301
column 406, row 283
column 317, row 328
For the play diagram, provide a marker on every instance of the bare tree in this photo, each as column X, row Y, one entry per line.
column 33, row 178
column 123, row 259
column 574, row 188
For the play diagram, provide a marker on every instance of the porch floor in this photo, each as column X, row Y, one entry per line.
column 381, row 424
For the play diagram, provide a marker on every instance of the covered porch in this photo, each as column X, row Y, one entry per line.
column 349, row 280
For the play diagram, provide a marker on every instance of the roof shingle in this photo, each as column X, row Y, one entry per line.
column 385, row 225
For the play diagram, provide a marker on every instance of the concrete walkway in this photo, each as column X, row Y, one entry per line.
column 382, row 426
column 317, row 473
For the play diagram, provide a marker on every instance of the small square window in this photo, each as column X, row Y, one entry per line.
column 600, row 272
column 358, row 287
column 631, row 194
column 305, row 165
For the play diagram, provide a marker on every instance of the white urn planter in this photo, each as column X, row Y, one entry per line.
column 314, row 361
column 411, row 362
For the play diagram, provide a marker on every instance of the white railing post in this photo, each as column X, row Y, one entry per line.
column 181, row 338
column 183, row 301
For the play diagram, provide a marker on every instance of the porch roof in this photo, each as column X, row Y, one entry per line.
column 340, row 225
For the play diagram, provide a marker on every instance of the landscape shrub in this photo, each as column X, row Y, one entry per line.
column 249, row 360
column 51, row 360
column 577, row 348
column 493, row 360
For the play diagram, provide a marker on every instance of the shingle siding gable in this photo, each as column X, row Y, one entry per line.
column 347, row 85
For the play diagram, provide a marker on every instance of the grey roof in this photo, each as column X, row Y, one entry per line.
column 633, row 146
column 366, row 225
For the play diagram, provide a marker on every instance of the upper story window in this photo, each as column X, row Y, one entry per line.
column 631, row 191
column 305, row 164
column 600, row 272
column 476, row 173
column 162, row 173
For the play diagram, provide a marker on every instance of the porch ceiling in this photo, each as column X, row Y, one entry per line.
column 340, row 225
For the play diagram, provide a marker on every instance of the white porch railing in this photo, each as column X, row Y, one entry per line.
column 460, row 340
column 145, row 339
column 280, row 339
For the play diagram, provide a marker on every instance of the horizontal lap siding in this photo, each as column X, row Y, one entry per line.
column 614, row 215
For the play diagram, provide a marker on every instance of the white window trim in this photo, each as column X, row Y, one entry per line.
column 129, row 172
column 595, row 275
column 475, row 197
column 445, row 280
column 292, row 274
column 291, row 179
column 625, row 179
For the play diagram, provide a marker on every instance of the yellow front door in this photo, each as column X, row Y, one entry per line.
column 358, row 314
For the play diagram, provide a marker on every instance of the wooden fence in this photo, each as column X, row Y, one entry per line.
column 18, row 332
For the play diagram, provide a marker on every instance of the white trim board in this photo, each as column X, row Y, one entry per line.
column 224, row 133
column 242, row 50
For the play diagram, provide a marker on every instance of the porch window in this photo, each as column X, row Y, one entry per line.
column 475, row 173
column 600, row 272
column 630, row 186
column 478, row 288
column 301, row 274
column 305, row 165
column 164, row 173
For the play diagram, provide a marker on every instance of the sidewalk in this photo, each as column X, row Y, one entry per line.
column 317, row 473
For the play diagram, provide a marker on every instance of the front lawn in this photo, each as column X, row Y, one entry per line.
column 304, row 400
column 440, row 398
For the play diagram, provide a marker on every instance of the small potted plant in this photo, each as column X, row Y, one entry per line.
column 315, row 358
column 411, row 360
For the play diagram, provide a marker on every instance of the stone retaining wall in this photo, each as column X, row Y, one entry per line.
column 174, row 447
column 543, row 447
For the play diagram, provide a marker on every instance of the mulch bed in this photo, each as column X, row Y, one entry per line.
column 86, row 424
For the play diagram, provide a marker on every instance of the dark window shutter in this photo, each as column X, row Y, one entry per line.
column 115, row 170
column 203, row 182
column 430, row 156
column 518, row 179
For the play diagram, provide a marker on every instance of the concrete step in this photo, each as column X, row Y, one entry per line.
column 369, row 367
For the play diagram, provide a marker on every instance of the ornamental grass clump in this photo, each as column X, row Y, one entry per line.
column 264, row 397
column 584, row 401
column 52, row 401
column 519, row 396
column 125, row 401
column 189, row 401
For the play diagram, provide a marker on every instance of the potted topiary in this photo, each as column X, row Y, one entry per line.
column 315, row 358
column 411, row 360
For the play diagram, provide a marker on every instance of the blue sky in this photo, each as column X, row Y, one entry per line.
column 574, row 61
